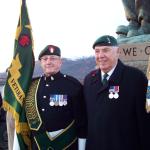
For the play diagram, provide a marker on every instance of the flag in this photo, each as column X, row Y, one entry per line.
column 148, row 88
column 19, row 77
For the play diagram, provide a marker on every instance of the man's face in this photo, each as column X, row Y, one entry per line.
column 106, row 57
column 50, row 64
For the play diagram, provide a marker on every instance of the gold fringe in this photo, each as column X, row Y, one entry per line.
column 10, row 109
column 21, row 128
column 27, row 140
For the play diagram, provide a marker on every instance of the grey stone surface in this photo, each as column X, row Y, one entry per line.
column 135, row 39
column 140, row 64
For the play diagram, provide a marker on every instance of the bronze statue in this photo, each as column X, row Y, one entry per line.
column 138, row 14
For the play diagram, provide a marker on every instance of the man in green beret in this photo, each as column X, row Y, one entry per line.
column 115, row 96
column 55, row 107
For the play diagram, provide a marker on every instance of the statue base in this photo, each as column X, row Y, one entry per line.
column 135, row 51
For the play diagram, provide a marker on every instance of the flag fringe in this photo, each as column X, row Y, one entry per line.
column 21, row 128
column 10, row 109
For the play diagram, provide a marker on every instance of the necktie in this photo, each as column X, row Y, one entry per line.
column 104, row 81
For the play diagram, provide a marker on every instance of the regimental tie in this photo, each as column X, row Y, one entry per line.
column 104, row 81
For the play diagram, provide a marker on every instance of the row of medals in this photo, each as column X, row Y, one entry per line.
column 59, row 101
column 113, row 92
column 113, row 95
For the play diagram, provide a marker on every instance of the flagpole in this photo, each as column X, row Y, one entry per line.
column 23, row 2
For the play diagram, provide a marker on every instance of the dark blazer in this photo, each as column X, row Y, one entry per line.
column 121, row 123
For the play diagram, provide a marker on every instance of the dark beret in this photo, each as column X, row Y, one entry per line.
column 50, row 50
column 105, row 40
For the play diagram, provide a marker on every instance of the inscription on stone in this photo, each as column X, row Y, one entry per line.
column 136, row 51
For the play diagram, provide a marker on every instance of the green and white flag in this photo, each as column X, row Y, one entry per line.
column 19, row 77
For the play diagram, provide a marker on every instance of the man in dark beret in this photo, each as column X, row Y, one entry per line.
column 55, row 106
column 115, row 96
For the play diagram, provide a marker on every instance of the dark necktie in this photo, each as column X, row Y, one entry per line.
column 104, row 81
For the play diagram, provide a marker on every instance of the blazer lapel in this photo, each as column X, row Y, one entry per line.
column 116, row 76
column 96, row 81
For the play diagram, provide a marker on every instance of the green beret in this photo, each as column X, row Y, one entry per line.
column 50, row 50
column 105, row 40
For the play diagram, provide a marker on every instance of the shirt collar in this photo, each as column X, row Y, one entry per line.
column 109, row 73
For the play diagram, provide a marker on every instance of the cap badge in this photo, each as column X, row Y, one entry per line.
column 108, row 40
column 51, row 49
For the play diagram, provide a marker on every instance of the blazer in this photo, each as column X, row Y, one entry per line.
column 117, row 118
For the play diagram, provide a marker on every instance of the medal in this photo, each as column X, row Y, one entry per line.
column 65, row 103
column 65, row 100
column 61, row 100
column 56, row 103
column 51, row 103
column 116, row 95
column 60, row 103
column 111, row 95
column 113, row 92
column 52, row 100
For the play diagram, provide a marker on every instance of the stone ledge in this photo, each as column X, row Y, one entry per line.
column 134, row 39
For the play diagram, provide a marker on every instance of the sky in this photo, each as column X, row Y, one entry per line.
column 72, row 25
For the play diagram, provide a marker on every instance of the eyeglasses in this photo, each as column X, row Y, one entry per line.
column 51, row 58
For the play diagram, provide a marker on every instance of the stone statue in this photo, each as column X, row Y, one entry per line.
column 138, row 14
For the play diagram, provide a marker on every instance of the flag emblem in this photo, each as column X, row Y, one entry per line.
column 24, row 40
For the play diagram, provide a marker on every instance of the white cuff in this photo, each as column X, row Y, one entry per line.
column 81, row 144
column 16, row 142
